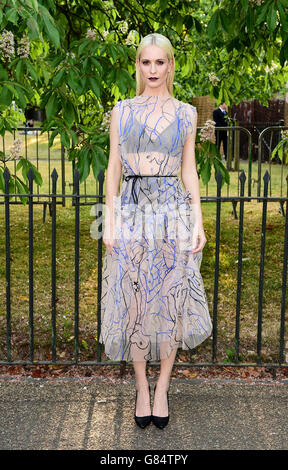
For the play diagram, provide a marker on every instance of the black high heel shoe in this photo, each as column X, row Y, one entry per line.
column 160, row 421
column 142, row 421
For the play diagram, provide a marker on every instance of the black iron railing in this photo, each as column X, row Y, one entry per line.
column 241, row 199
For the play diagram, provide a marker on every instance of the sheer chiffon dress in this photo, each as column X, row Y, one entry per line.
column 153, row 298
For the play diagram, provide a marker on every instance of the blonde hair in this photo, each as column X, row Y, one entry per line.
column 160, row 41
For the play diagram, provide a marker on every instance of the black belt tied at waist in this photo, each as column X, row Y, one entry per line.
column 134, row 195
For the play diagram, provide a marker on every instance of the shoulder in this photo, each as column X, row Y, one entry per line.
column 190, row 108
column 121, row 104
column 118, row 104
column 189, row 112
column 187, row 107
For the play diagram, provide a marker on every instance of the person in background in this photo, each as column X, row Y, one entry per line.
column 220, row 116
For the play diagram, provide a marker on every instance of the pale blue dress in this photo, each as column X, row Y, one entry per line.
column 153, row 298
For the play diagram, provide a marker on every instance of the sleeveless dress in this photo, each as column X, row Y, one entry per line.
column 153, row 299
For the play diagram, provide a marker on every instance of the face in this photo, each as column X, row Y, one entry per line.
column 154, row 63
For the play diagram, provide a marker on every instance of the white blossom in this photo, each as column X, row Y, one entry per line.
column 7, row 44
column 123, row 26
column 16, row 149
column 131, row 38
column 213, row 78
column 105, row 124
column 207, row 131
column 91, row 34
column 23, row 49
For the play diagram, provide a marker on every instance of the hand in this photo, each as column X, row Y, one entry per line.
column 108, row 238
column 199, row 241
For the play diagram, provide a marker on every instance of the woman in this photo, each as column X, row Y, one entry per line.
column 153, row 295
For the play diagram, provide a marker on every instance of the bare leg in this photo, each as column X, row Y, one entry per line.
column 143, row 397
column 160, row 405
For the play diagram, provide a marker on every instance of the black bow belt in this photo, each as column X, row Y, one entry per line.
column 134, row 195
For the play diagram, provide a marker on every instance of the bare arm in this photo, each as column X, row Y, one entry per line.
column 113, row 178
column 190, row 179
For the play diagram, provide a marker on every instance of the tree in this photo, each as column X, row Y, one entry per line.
column 75, row 59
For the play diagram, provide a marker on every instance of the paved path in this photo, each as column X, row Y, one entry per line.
column 81, row 414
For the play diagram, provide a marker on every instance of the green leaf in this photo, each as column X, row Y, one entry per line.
column 68, row 112
column 73, row 80
column 83, row 163
column 97, row 64
column 52, row 32
column 225, row 21
column 11, row 15
column 25, row 165
column 33, row 28
column 283, row 56
column 263, row 13
column 52, row 136
column 19, row 70
column 6, row 96
column 250, row 20
column 59, row 78
column 22, row 188
column 31, row 70
column 95, row 166
column 74, row 136
column 206, row 171
column 237, row 83
column 2, row 181
column 35, row 5
column 65, row 139
column 21, row 97
column 95, row 85
column 283, row 17
column 213, row 24
column 179, row 24
column 113, row 51
column 52, row 106
column 101, row 156
column 3, row 73
column 272, row 18
column 83, row 46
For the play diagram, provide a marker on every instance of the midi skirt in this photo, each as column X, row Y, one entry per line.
column 153, row 298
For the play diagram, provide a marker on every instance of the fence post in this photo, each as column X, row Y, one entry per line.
column 30, row 176
column 242, row 179
column 6, row 175
column 101, row 177
column 76, row 291
column 284, row 283
column 54, row 176
column 266, row 179
column 216, row 273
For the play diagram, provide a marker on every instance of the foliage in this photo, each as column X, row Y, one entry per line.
column 75, row 59
column 281, row 150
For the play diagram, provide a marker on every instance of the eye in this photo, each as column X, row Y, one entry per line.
column 160, row 62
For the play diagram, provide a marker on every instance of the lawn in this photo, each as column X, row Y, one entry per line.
column 88, row 281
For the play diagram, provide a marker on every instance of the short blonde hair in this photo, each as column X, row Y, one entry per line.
column 160, row 41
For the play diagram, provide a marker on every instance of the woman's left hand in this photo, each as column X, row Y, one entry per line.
column 199, row 241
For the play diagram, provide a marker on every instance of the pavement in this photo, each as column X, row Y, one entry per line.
column 89, row 414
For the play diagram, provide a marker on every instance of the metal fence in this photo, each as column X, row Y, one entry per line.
column 237, row 160
column 99, row 198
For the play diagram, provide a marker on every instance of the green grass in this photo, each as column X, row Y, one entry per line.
column 88, row 282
